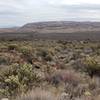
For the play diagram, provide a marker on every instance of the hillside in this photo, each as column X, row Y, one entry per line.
column 65, row 30
column 60, row 27
column 8, row 30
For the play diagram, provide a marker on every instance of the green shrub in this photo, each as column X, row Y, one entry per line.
column 92, row 66
column 12, row 47
column 3, row 60
column 18, row 78
column 48, row 58
column 42, row 53
column 26, row 50
column 27, row 54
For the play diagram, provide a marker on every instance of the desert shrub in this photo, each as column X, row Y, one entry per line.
column 48, row 58
column 26, row 50
column 27, row 54
column 63, row 76
column 72, row 82
column 75, row 91
column 27, row 58
column 42, row 53
column 7, row 58
column 12, row 47
column 62, row 42
column 57, row 48
column 38, row 94
column 45, row 54
column 70, row 77
column 78, row 65
column 92, row 67
column 3, row 60
column 18, row 78
column 80, row 92
column 52, row 51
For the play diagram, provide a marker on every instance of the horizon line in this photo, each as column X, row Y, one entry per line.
column 15, row 26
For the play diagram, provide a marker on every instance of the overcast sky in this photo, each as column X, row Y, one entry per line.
column 19, row 12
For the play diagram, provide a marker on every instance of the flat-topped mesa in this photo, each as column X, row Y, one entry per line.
column 60, row 27
column 63, row 30
column 54, row 27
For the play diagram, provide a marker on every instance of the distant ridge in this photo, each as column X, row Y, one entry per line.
column 55, row 27
column 65, row 30
column 60, row 27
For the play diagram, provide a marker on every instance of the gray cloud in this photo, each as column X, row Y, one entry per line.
column 19, row 12
column 82, row 7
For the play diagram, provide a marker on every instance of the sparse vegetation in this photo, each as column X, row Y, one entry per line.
column 67, row 69
column 38, row 94
column 92, row 66
column 12, row 47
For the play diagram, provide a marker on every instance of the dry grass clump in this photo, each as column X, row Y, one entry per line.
column 45, row 54
column 38, row 94
column 64, row 76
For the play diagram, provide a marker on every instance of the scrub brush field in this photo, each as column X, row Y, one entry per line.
column 50, row 70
